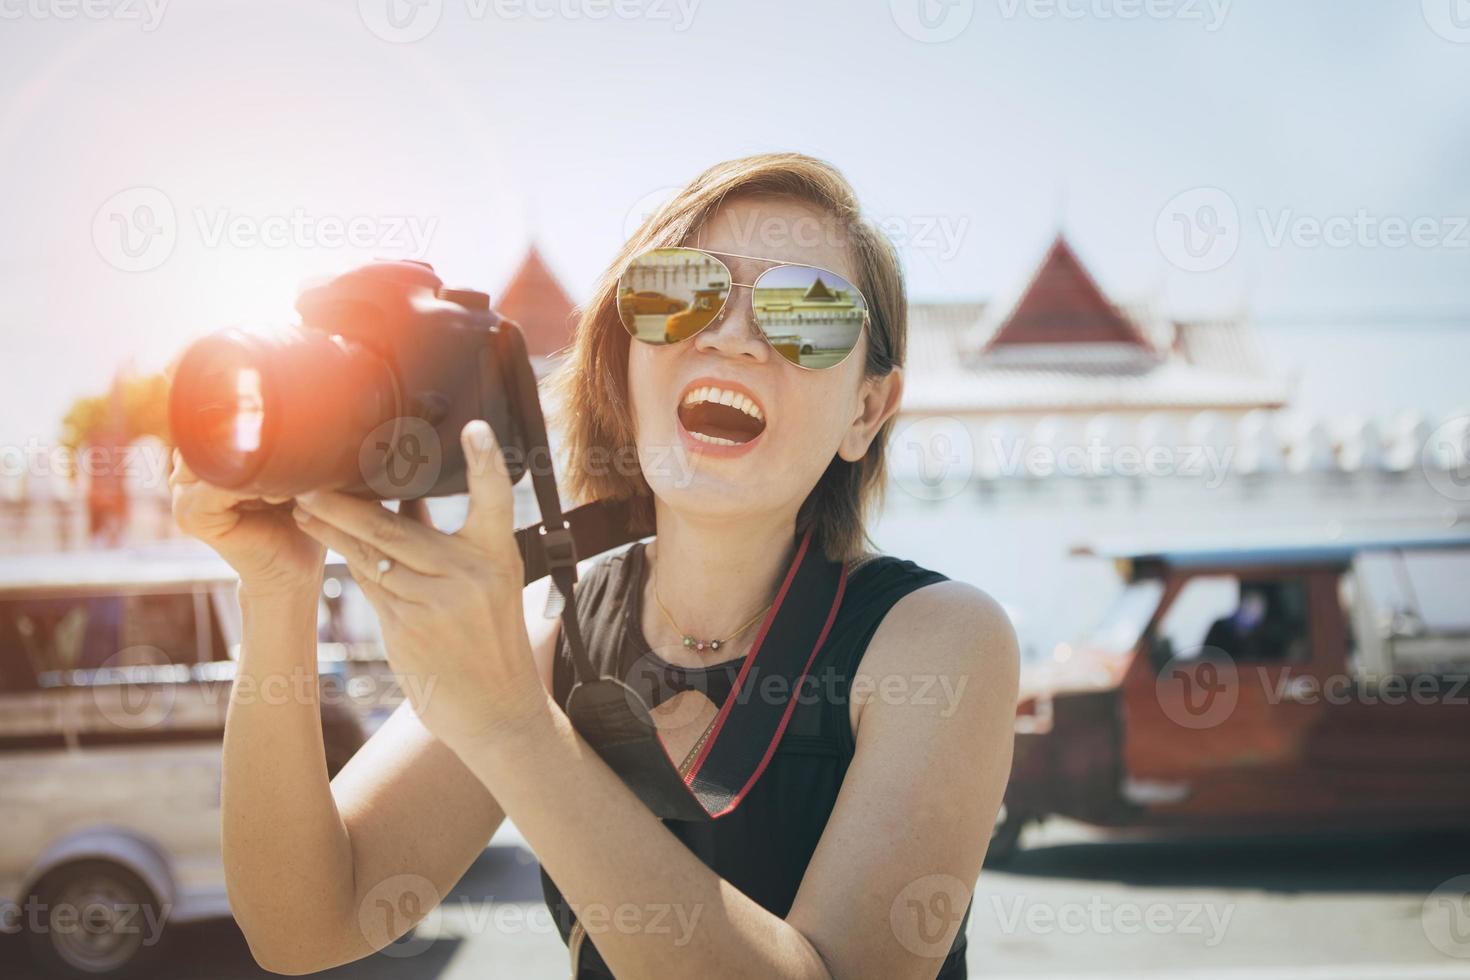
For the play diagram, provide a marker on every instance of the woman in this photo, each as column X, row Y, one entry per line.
column 853, row 850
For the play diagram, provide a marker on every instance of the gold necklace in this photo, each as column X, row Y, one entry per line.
column 702, row 645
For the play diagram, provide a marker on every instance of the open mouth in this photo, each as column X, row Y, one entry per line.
column 721, row 416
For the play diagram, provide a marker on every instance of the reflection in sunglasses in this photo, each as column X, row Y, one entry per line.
column 812, row 317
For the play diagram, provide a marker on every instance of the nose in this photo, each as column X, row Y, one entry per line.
column 734, row 331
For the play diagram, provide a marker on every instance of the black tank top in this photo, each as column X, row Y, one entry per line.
column 763, row 847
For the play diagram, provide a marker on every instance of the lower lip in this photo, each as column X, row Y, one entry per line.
column 711, row 448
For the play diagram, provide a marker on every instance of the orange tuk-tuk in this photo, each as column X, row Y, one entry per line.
column 1236, row 689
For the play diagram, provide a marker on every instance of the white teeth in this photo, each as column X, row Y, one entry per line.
column 724, row 396
column 713, row 439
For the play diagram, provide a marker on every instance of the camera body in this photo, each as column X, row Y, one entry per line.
column 367, row 395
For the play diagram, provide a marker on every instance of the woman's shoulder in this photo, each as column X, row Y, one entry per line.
column 938, row 623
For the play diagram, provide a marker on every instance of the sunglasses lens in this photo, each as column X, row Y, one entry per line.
column 670, row 294
column 812, row 317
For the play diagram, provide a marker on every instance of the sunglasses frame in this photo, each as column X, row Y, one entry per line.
column 725, row 304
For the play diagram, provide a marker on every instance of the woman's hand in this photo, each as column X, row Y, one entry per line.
column 450, row 605
column 264, row 546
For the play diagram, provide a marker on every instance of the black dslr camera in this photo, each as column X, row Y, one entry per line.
column 367, row 395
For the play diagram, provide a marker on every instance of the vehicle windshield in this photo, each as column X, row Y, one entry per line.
column 1124, row 622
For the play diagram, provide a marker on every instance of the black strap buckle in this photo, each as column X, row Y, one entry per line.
column 560, row 547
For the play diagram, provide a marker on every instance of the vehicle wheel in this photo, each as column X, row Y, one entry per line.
column 1005, row 838
column 94, row 919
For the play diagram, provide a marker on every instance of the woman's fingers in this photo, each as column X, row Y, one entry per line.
column 372, row 569
column 490, row 522
column 401, row 538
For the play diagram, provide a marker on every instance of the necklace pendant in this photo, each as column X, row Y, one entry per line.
column 714, row 644
column 688, row 640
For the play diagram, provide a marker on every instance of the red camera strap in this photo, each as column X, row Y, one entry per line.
column 611, row 716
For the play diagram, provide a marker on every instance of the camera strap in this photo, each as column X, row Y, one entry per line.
column 614, row 718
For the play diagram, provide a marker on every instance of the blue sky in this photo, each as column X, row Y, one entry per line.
column 272, row 141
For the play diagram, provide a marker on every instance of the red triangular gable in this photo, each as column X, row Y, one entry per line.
column 1063, row 305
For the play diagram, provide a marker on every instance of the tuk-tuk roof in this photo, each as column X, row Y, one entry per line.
column 1278, row 550
column 153, row 566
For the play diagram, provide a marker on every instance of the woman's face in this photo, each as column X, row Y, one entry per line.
column 807, row 415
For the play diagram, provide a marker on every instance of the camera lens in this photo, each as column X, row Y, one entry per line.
column 276, row 416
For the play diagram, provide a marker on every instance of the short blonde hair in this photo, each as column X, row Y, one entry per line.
column 590, row 388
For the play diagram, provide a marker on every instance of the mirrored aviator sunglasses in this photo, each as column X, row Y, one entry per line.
column 812, row 317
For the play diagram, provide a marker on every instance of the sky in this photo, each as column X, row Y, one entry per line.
column 172, row 168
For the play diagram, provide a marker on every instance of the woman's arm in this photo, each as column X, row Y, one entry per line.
column 916, row 806
column 890, row 879
column 319, row 875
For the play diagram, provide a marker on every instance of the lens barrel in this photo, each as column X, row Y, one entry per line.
column 278, row 415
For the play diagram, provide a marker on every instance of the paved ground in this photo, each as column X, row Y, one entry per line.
column 1072, row 905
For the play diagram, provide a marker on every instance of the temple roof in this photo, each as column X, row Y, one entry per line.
column 535, row 299
column 1062, row 304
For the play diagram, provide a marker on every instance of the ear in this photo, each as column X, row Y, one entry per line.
column 878, row 400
